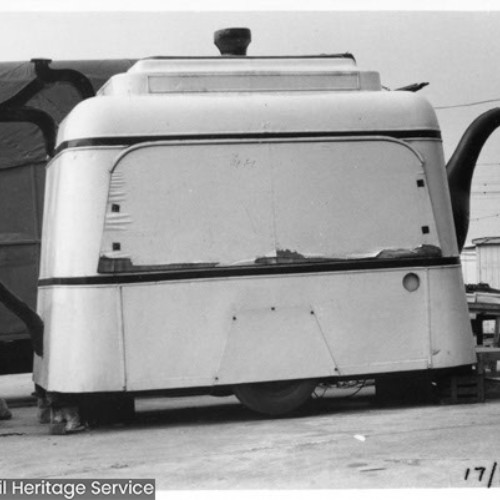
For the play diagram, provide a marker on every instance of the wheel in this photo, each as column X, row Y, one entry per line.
column 275, row 398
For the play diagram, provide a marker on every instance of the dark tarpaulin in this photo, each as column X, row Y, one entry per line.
column 14, row 77
column 23, row 157
column 19, row 143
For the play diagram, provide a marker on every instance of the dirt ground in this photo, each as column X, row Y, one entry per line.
column 341, row 440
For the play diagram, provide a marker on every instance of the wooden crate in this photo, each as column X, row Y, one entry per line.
column 462, row 389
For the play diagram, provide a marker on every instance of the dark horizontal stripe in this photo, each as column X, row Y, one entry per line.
column 19, row 243
column 255, row 270
column 345, row 55
column 131, row 140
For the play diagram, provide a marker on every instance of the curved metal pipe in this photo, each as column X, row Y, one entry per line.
column 29, row 317
column 45, row 74
column 460, row 168
column 48, row 75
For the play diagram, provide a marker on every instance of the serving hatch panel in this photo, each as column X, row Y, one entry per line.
column 240, row 203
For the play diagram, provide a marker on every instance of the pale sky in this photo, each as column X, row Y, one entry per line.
column 457, row 52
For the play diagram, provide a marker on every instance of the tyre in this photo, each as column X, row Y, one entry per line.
column 275, row 398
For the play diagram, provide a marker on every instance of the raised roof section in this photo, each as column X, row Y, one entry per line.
column 158, row 76
column 202, row 115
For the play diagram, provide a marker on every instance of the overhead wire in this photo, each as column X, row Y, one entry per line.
column 467, row 104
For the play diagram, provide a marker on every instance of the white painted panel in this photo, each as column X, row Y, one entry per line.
column 83, row 343
column 195, row 203
column 77, row 187
column 175, row 333
column 437, row 186
column 183, row 333
column 275, row 343
column 248, row 113
column 374, row 324
column 234, row 203
column 452, row 339
column 349, row 198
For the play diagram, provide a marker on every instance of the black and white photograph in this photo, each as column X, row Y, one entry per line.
column 249, row 249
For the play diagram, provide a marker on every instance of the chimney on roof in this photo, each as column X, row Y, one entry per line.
column 233, row 41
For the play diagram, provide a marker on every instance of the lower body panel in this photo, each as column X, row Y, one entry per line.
column 232, row 330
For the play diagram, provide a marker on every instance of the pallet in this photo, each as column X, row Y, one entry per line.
column 462, row 389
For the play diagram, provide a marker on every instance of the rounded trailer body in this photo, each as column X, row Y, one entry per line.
column 214, row 222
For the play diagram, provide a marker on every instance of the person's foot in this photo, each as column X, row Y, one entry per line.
column 66, row 420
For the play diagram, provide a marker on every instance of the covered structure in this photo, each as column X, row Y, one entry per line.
column 35, row 96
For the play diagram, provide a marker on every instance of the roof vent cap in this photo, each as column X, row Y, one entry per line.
column 233, row 41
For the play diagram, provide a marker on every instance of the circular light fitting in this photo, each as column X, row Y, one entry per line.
column 411, row 282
